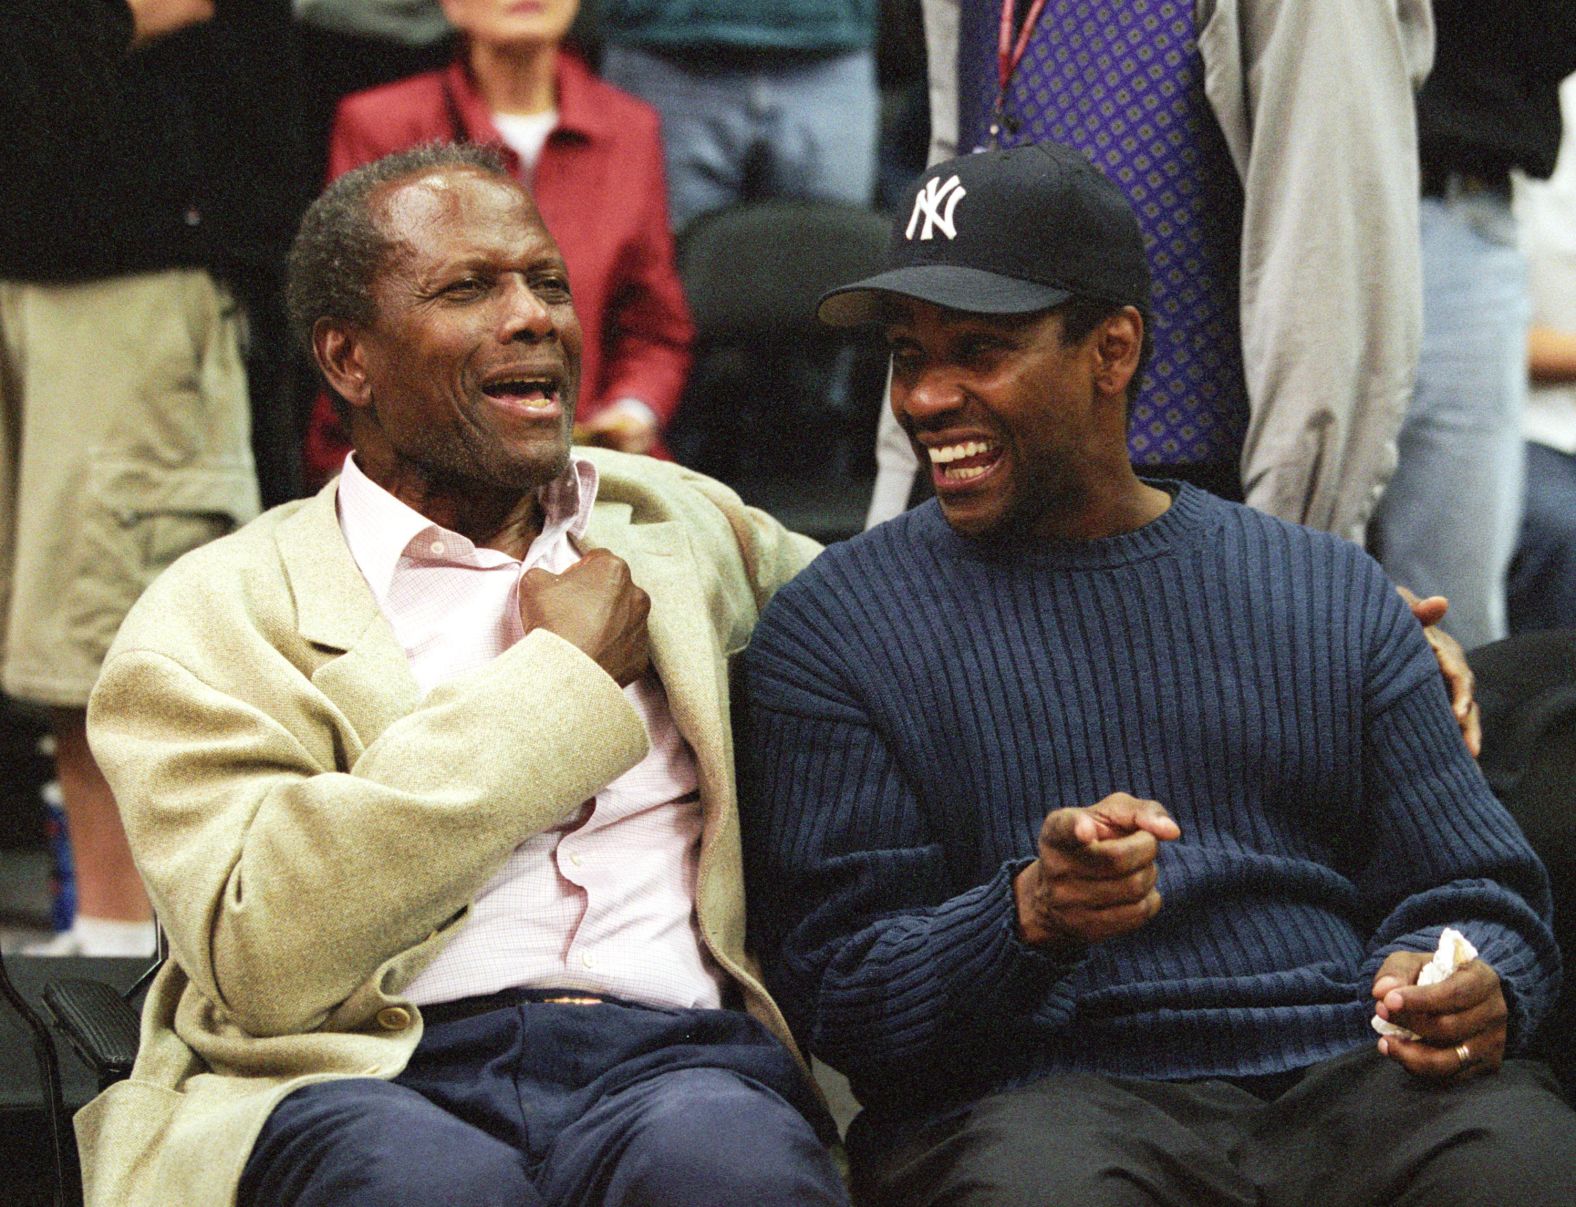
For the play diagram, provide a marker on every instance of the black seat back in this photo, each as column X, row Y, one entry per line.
column 778, row 406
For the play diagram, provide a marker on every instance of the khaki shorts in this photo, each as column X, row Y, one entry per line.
column 124, row 442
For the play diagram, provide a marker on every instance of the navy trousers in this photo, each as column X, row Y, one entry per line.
column 512, row 1101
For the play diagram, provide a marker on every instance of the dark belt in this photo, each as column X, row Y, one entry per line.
column 1447, row 182
column 470, row 1007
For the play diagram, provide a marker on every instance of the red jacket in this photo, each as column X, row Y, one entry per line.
column 600, row 187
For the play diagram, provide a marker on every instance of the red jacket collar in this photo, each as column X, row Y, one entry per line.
column 579, row 116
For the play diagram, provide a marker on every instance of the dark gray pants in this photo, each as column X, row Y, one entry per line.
column 1354, row 1130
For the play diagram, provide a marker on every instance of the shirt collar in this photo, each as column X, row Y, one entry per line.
column 579, row 114
column 380, row 529
column 578, row 111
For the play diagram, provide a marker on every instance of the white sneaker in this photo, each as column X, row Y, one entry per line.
column 62, row 943
column 99, row 937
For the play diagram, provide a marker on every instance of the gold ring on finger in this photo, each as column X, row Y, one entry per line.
column 1463, row 1055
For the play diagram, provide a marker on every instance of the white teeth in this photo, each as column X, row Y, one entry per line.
column 532, row 394
column 964, row 473
column 956, row 452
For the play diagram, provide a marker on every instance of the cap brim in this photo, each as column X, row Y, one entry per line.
column 949, row 285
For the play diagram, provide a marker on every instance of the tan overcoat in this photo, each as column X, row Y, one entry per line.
column 312, row 830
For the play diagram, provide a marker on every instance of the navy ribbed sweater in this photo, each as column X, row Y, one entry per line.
column 918, row 702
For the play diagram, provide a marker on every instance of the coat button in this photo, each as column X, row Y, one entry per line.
column 394, row 1018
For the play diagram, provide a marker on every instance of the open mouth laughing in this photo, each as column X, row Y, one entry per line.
column 963, row 461
column 532, row 391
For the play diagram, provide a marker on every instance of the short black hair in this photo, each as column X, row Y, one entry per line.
column 1082, row 314
column 340, row 247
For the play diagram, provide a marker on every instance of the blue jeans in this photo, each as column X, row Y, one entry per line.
column 1448, row 522
column 523, row 1102
column 1543, row 575
column 805, row 128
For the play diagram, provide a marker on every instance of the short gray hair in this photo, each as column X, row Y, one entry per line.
column 340, row 247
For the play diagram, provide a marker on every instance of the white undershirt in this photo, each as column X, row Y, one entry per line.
column 526, row 134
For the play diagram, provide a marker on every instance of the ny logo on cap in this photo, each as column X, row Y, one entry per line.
column 930, row 201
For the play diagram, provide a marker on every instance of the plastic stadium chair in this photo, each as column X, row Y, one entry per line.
column 100, row 1024
column 779, row 407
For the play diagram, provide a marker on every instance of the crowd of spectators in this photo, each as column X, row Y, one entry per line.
column 164, row 154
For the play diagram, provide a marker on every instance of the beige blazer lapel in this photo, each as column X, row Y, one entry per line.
column 364, row 670
column 689, row 657
column 683, row 642
column 367, row 675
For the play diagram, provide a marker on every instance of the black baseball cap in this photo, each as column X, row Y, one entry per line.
column 1005, row 232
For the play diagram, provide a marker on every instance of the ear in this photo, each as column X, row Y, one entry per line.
column 1118, row 342
column 338, row 348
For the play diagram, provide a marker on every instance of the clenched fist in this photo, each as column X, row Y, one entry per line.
column 596, row 606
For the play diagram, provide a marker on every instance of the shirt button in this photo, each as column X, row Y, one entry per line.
column 576, row 858
column 437, row 548
column 588, row 960
column 394, row 1018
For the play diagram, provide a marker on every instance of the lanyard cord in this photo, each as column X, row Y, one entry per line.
column 1008, row 56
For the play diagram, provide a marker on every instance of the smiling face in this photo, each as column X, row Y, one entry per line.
column 1022, row 433
column 463, row 386
column 512, row 22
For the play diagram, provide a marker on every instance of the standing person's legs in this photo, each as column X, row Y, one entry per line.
column 127, row 413
column 706, row 126
column 108, row 886
column 1360, row 1130
column 1447, row 523
column 824, row 124
column 1072, row 1140
column 1543, row 574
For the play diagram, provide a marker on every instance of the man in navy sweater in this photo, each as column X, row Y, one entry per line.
column 986, row 737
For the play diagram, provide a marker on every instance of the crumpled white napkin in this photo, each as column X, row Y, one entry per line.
column 1453, row 951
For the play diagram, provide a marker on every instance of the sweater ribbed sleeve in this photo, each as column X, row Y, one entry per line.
column 916, row 704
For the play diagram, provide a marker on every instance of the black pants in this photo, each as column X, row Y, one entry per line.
column 1354, row 1130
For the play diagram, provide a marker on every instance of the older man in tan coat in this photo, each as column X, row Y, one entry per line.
column 430, row 779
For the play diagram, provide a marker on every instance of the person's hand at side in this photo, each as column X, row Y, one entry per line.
column 152, row 19
column 1453, row 666
column 596, row 606
column 1095, row 876
column 625, row 429
column 1460, row 1021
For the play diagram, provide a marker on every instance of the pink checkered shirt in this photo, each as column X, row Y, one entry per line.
column 605, row 901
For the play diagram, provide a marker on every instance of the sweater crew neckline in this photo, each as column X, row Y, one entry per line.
column 1177, row 528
